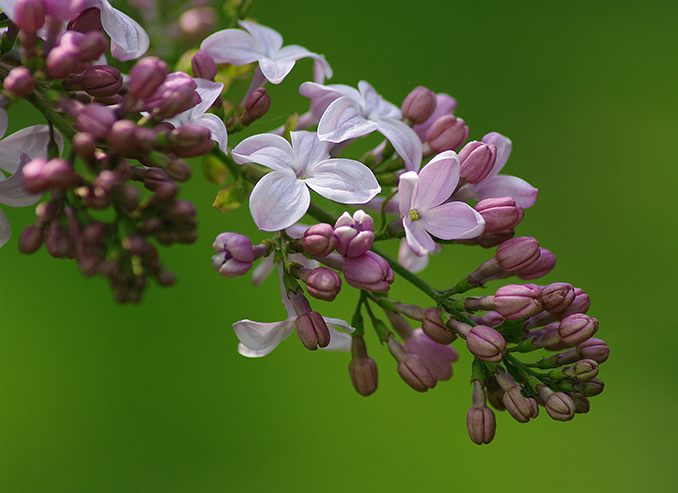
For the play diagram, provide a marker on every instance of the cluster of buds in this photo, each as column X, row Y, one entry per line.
column 130, row 133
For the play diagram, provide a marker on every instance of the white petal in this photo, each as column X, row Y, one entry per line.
column 262, row 337
column 407, row 183
column 404, row 140
column 275, row 70
column 31, row 141
column 437, row 181
column 452, row 221
column 408, row 259
column 313, row 90
column 417, row 237
column 209, row 92
column 522, row 192
column 12, row 192
column 375, row 105
column 269, row 39
column 343, row 180
column 309, row 150
column 342, row 121
column 128, row 39
column 232, row 46
column 5, row 232
column 217, row 129
column 269, row 150
column 339, row 341
column 7, row 7
column 278, row 200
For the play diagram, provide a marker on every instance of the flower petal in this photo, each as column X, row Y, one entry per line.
column 260, row 338
column 339, row 341
column 518, row 189
column 404, row 140
column 503, row 145
column 407, row 184
column 128, row 39
column 417, row 237
column 4, row 121
column 275, row 70
column 343, row 180
column 268, row 39
column 452, row 221
column 278, row 200
column 232, row 46
column 309, row 150
column 269, row 150
column 410, row 260
column 342, row 121
column 5, row 231
column 12, row 192
column 375, row 105
column 437, row 181
column 31, row 141
column 217, row 129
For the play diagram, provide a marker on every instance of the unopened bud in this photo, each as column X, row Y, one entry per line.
column 435, row 329
column 257, row 105
column 517, row 301
column 500, row 214
column 517, row 254
column 540, row 267
column 419, row 104
column 476, row 160
column 577, row 328
column 29, row 14
column 447, row 133
column 203, row 65
column 312, row 330
column 319, row 240
column 102, row 81
column 19, row 82
column 362, row 368
column 486, row 343
column 595, row 349
column 146, row 76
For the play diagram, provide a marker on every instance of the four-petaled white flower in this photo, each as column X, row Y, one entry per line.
column 15, row 151
column 260, row 338
column 209, row 92
column 258, row 43
column 495, row 185
column 281, row 198
column 425, row 210
column 355, row 114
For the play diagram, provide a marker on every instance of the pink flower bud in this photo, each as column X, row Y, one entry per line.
column 191, row 140
column 59, row 174
column 257, row 105
column 582, row 404
column 19, row 82
column 517, row 254
column 30, row 239
column 486, row 344
column 435, row 329
column 500, row 214
column 235, row 254
column 438, row 357
column 63, row 10
column 540, row 267
column 34, row 177
column 362, row 368
column 323, row 283
column 595, row 349
column 414, row 372
column 560, row 406
column 519, row 407
column 419, row 104
column 86, row 21
column 102, row 81
column 369, row 272
column 476, row 160
column 61, row 63
column 312, row 330
column 517, row 301
column 29, row 14
column 203, row 66
column 447, row 133
column 445, row 105
column 146, row 76
column 556, row 297
column 319, row 240
column 95, row 119
column 355, row 234
column 577, row 328
column 481, row 424
column 198, row 22
column 580, row 304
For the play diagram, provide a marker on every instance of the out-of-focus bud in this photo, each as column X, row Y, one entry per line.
column 30, row 239
column 445, row 105
column 355, row 234
column 312, row 330
column 173, row 102
column 146, row 76
column 203, row 65
column 480, row 421
column 486, row 343
column 95, row 119
column 435, row 329
column 102, row 81
column 122, row 137
column 322, row 283
column 540, row 267
column 234, row 254
column 257, row 105
column 369, row 272
column 595, row 349
column 60, row 174
column 319, row 240
column 559, row 405
column 19, row 82
column 411, row 368
column 191, row 140
column 517, row 254
column 34, row 176
column 62, row 11
column 447, row 133
column 476, row 160
column 198, row 22
column 581, row 403
column 517, row 301
column 580, row 304
column 362, row 368
column 500, row 214
column 588, row 388
column 577, row 328
column 419, row 104
column 86, row 21
column 438, row 357
column 29, row 14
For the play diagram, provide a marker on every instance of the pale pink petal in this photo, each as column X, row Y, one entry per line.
column 375, row 105
column 268, row 39
column 405, row 142
column 437, row 181
column 417, row 237
column 261, row 338
column 343, row 180
column 232, row 46
column 342, row 121
column 31, row 141
column 407, row 183
column 128, row 39
column 503, row 145
column 452, row 221
column 275, row 71
column 269, row 150
column 408, row 259
column 308, row 149
column 278, row 200
column 217, row 129
column 5, row 232
column 518, row 189
column 12, row 192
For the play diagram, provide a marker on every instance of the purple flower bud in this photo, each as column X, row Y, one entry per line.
column 435, row 329
column 29, row 14
column 61, row 63
column 419, row 104
column 438, row 357
column 59, row 174
column 517, row 301
column 86, row 21
column 476, row 160
column 203, row 66
column 62, row 10
column 517, row 254
column 585, row 370
column 198, row 22
column 191, row 140
column 590, row 388
column 319, row 240
column 30, row 239
column 445, row 105
column 369, row 272
column 312, row 330
column 102, row 81
column 84, row 144
column 257, row 105
column 19, row 82
column 560, row 406
column 355, row 234
column 414, row 372
column 486, row 344
column 146, row 76
column 595, row 349
column 481, row 424
column 34, row 177
column 582, row 404
column 500, row 214
column 556, row 297
column 362, row 368
column 323, row 283
column 520, row 407
column 581, row 304
column 235, row 254
column 175, row 95
column 57, row 243
column 95, row 119
column 447, row 133
column 86, row 47
column 122, row 137
column 577, row 328
column 539, row 268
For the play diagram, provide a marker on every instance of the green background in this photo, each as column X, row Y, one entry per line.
column 96, row 397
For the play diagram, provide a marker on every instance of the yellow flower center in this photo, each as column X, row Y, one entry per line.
column 414, row 215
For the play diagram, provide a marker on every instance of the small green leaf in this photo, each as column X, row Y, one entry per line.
column 230, row 197
column 214, row 169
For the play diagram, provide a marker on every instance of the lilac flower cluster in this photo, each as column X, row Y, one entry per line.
column 426, row 185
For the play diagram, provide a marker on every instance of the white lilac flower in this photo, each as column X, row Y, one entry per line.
column 281, row 198
column 425, row 210
column 15, row 151
column 495, row 185
column 209, row 92
column 356, row 113
column 258, row 44
column 260, row 338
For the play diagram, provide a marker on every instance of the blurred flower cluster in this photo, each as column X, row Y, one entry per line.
column 111, row 156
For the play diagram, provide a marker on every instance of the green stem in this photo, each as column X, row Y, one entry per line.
column 48, row 112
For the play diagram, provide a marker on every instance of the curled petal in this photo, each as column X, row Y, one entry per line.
column 232, row 46
column 31, row 141
column 278, row 200
column 437, row 181
column 128, row 39
column 12, row 192
column 417, row 237
column 342, row 121
column 518, row 189
column 269, row 40
column 503, row 145
column 404, row 140
column 452, row 221
column 260, row 338
column 217, row 128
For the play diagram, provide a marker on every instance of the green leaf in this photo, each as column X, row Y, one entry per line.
column 230, row 197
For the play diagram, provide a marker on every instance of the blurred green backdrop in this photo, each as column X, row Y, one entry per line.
column 96, row 397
